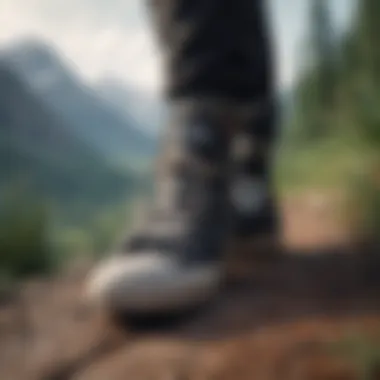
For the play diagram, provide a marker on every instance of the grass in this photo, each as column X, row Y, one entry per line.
column 351, row 168
column 328, row 164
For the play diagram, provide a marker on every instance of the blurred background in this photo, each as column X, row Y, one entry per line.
column 81, row 111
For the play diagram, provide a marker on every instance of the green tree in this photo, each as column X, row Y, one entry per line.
column 24, row 224
column 315, row 93
column 361, row 79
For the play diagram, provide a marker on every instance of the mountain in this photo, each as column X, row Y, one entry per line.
column 38, row 147
column 96, row 123
column 149, row 110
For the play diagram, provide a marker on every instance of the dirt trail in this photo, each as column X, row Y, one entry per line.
column 275, row 327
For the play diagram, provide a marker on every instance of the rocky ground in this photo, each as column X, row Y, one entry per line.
column 282, row 324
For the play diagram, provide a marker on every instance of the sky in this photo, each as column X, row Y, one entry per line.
column 113, row 38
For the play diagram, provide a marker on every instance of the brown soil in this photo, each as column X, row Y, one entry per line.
column 278, row 325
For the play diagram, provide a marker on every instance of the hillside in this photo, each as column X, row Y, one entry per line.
column 85, row 114
column 36, row 145
column 149, row 110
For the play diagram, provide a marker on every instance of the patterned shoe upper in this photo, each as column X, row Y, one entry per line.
column 191, row 215
column 252, row 188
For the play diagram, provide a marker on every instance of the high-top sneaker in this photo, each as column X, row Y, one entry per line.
column 175, row 261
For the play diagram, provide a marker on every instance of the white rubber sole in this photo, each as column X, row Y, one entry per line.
column 150, row 283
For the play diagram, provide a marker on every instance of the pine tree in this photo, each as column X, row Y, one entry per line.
column 360, row 85
column 324, row 57
column 315, row 93
column 361, row 78
column 368, row 30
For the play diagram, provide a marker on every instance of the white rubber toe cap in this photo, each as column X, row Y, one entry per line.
column 151, row 283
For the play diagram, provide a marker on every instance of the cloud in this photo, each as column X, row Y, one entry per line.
column 98, row 39
column 129, row 54
column 114, row 38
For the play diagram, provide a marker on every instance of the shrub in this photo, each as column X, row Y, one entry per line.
column 23, row 232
